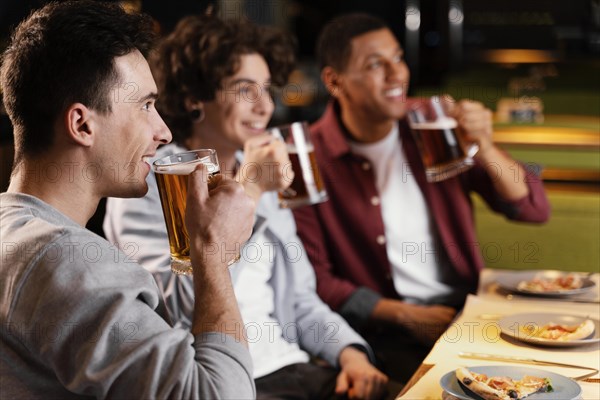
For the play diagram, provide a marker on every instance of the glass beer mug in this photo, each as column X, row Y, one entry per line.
column 307, row 186
column 172, row 174
column 442, row 151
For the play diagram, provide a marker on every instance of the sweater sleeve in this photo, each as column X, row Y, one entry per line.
column 137, row 226
column 534, row 207
column 108, row 338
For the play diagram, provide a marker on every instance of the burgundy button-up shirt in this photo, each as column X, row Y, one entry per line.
column 345, row 236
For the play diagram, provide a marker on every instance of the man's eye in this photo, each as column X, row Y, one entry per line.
column 147, row 106
column 374, row 64
column 251, row 92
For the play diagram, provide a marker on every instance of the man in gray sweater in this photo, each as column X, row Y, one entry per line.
column 77, row 317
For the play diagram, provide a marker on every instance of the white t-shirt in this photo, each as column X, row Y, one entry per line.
column 269, row 350
column 410, row 238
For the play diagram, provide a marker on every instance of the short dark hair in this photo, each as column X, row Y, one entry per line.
column 62, row 54
column 334, row 46
column 201, row 52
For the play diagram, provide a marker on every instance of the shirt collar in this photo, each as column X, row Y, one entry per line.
column 335, row 141
column 387, row 142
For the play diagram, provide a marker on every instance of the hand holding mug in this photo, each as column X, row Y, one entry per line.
column 475, row 123
column 219, row 218
column 443, row 152
column 172, row 178
column 306, row 186
column 265, row 167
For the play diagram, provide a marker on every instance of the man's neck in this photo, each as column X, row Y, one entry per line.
column 58, row 184
column 364, row 130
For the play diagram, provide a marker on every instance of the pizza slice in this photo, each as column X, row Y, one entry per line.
column 558, row 284
column 502, row 387
column 558, row 332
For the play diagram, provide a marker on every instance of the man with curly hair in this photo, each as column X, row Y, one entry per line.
column 215, row 77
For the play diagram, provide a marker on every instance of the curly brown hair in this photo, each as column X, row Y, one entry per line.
column 193, row 61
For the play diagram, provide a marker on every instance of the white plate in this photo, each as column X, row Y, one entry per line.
column 510, row 281
column 512, row 326
column 564, row 388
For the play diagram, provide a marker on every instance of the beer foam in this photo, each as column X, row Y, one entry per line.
column 447, row 123
column 185, row 168
column 291, row 149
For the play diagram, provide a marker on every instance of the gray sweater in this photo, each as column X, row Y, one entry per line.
column 78, row 318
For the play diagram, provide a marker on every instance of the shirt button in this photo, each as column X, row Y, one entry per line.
column 375, row 200
column 366, row 166
column 380, row 239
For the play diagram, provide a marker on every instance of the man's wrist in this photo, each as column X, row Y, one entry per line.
column 253, row 190
column 352, row 353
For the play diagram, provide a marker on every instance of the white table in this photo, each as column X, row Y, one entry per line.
column 476, row 331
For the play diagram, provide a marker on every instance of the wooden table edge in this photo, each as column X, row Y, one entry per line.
column 419, row 373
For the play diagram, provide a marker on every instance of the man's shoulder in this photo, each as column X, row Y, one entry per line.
column 33, row 236
column 40, row 254
column 324, row 123
column 25, row 224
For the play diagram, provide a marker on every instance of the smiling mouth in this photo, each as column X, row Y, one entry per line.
column 395, row 92
column 259, row 126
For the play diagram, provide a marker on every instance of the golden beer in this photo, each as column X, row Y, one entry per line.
column 307, row 187
column 172, row 175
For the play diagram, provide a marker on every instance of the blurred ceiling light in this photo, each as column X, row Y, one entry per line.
column 455, row 15
column 413, row 18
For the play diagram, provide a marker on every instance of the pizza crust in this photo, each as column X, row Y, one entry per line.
column 562, row 333
column 501, row 388
column 466, row 378
column 583, row 331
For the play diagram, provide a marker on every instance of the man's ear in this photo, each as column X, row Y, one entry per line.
column 79, row 124
column 194, row 108
column 192, row 104
column 332, row 81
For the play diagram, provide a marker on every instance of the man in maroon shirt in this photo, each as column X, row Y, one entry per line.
column 394, row 254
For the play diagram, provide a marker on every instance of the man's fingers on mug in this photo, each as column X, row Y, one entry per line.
column 449, row 104
column 197, row 182
column 214, row 181
column 259, row 141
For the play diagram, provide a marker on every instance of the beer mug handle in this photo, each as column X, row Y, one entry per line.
column 277, row 134
column 472, row 150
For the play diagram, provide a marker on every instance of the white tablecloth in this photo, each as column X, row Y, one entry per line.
column 476, row 331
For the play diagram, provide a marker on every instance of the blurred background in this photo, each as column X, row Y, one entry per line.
column 535, row 63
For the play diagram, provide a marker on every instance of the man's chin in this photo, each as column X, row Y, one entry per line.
column 141, row 191
column 398, row 112
column 133, row 191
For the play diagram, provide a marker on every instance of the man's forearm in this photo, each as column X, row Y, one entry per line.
column 216, row 308
column 508, row 176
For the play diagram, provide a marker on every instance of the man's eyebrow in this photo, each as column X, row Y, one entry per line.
column 398, row 50
column 149, row 96
column 246, row 80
